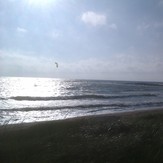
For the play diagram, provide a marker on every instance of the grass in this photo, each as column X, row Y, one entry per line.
column 129, row 138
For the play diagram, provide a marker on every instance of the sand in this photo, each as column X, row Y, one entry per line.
column 133, row 137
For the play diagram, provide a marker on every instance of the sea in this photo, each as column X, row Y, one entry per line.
column 26, row 100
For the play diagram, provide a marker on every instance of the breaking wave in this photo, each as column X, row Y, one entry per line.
column 78, row 97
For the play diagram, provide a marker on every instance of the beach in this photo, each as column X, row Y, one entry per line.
column 135, row 136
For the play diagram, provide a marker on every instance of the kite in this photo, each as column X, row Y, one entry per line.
column 56, row 64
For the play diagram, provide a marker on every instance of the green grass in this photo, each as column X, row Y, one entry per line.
column 132, row 138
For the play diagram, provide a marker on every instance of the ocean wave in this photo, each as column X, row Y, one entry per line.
column 89, row 106
column 65, row 107
column 78, row 97
column 145, row 83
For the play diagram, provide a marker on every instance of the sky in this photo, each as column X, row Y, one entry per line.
column 89, row 39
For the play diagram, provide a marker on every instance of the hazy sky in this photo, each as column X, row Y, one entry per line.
column 90, row 39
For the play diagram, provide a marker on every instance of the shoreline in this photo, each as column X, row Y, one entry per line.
column 121, row 113
column 135, row 136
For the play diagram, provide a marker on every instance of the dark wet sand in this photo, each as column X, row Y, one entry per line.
column 133, row 137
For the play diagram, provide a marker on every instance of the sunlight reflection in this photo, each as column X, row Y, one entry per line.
column 33, row 87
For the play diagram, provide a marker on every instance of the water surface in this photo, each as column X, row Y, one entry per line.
column 25, row 100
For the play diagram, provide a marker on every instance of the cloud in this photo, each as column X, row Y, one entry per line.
column 117, row 67
column 21, row 30
column 151, row 25
column 93, row 19
column 54, row 34
column 113, row 26
column 25, row 64
column 143, row 26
